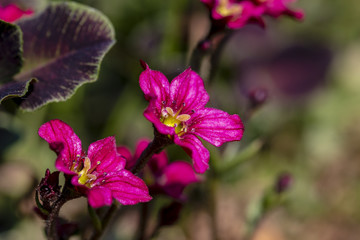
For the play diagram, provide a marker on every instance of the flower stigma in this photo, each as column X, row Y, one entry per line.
column 227, row 9
column 85, row 176
column 171, row 119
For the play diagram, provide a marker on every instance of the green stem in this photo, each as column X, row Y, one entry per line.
column 105, row 221
column 212, row 206
column 143, row 222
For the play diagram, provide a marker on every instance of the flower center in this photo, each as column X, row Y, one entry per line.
column 171, row 119
column 227, row 9
column 85, row 176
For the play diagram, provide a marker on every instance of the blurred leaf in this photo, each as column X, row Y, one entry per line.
column 247, row 153
column 6, row 139
column 10, row 51
column 63, row 48
column 10, row 61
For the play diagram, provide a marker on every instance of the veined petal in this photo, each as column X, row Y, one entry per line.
column 63, row 141
column 127, row 188
column 216, row 126
column 155, row 85
column 196, row 150
column 188, row 89
column 103, row 153
column 99, row 196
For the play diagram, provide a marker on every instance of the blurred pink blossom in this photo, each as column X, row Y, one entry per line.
column 12, row 12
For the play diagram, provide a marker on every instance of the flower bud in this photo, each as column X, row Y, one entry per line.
column 283, row 182
column 49, row 188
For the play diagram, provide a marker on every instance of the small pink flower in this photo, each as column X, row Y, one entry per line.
column 178, row 111
column 165, row 178
column 12, row 12
column 233, row 13
column 277, row 8
column 237, row 13
column 100, row 174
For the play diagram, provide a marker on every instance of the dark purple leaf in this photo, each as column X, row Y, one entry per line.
column 10, row 61
column 14, row 89
column 10, row 51
column 63, row 48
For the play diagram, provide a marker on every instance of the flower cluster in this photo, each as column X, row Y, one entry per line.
column 178, row 111
column 12, row 12
column 100, row 174
column 236, row 13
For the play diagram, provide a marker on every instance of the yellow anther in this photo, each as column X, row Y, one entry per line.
column 85, row 175
column 226, row 9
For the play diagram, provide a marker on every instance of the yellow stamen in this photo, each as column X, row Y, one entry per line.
column 227, row 9
column 175, row 120
column 85, row 175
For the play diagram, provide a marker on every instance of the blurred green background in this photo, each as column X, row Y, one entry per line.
column 307, row 127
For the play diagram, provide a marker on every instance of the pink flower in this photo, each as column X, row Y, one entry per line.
column 11, row 13
column 165, row 178
column 233, row 13
column 178, row 111
column 237, row 13
column 100, row 174
column 277, row 8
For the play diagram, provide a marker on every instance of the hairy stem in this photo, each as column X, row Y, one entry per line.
column 51, row 222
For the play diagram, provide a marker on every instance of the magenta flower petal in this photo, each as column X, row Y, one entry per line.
column 99, row 196
column 180, row 172
column 196, row 150
column 125, row 152
column 127, row 188
column 12, row 12
column 187, row 91
column 216, row 126
column 155, row 85
column 103, row 154
column 63, row 141
column 177, row 175
column 158, row 163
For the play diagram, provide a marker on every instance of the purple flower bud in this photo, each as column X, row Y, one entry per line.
column 257, row 97
column 49, row 188
column 205, row 45
column 283, row 182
